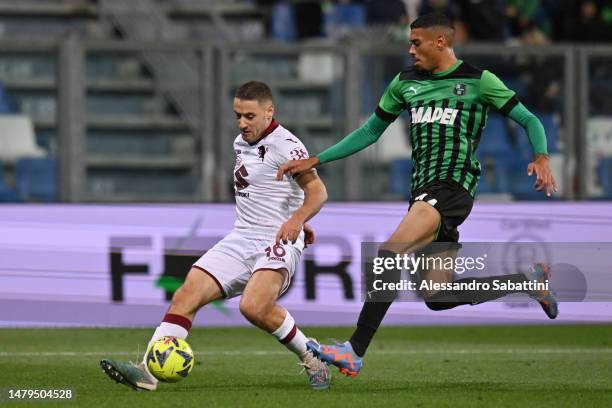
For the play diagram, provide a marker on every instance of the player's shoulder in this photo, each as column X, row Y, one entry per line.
column 286, row 146
column 413, row 74
column 238, row 140
column 284, row 137
column 465, row 70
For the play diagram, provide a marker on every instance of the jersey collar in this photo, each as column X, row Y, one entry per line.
column 449, row 70
column 273, row 125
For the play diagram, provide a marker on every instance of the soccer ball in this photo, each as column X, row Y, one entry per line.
column 170, row 359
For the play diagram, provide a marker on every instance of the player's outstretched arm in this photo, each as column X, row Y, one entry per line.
column 354, row 142
column 315, row 195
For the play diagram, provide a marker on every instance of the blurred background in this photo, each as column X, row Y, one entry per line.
column 130, row 101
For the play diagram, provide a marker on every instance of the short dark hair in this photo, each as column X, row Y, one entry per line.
column 432, row 20
column 254, row 91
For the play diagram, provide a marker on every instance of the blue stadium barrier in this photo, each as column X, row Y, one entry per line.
column 552, row 132
column 44, row 139
column 36, row 179
column 495, row 174
column 6, row 104
column 7, row 194
column 400, row 177
column 521, row 186
column 345, row 15
column 283, row 22
column 485, row 186
column 604, row 176
column 508, row 174
column 508, row 161
column 352, row 15
column 494, row 138
column 493, row 150
column 552, row 135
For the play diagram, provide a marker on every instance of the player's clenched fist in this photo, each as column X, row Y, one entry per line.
column 295, row 167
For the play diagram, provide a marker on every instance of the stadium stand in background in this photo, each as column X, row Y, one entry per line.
column 126, row 101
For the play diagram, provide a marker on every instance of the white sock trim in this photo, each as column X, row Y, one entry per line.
column 166, row 329
column 290, row 336
column 285, row 328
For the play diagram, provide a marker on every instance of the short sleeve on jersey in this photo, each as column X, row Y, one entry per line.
column 392, row 102
column 289, row 147
column 495, row 93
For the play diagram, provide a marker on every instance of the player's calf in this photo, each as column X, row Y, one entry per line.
column 377, row 302
column 381, row 277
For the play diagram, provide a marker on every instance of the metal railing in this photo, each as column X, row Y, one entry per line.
column 176, row 72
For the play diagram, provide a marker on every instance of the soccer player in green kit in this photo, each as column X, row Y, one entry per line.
column 448, row 100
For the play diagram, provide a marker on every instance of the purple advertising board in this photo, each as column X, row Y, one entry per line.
column 109, row 265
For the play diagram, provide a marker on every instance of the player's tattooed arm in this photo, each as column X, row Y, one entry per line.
column 315, row 196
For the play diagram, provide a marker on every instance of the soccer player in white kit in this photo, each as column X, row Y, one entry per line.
column 260, row 255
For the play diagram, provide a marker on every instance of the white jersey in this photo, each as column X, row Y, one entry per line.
column 262, row 203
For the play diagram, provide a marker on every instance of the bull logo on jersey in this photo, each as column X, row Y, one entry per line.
column 460, row 89
column 261, row 151
column 238, row 161
column 298, row 154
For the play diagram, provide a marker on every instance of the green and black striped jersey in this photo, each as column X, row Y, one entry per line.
column 448, row 112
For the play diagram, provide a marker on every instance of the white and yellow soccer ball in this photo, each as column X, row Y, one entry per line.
column 170, row 359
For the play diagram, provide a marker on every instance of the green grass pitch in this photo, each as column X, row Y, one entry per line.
column 544, row 366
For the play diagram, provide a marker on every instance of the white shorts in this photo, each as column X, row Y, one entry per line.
column 233, row 260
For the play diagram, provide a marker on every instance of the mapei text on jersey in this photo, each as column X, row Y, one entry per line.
column 445, row 116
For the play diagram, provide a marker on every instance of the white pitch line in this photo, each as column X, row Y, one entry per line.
column 271, row 353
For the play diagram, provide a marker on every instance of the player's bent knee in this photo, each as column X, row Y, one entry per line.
column 254, row 312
